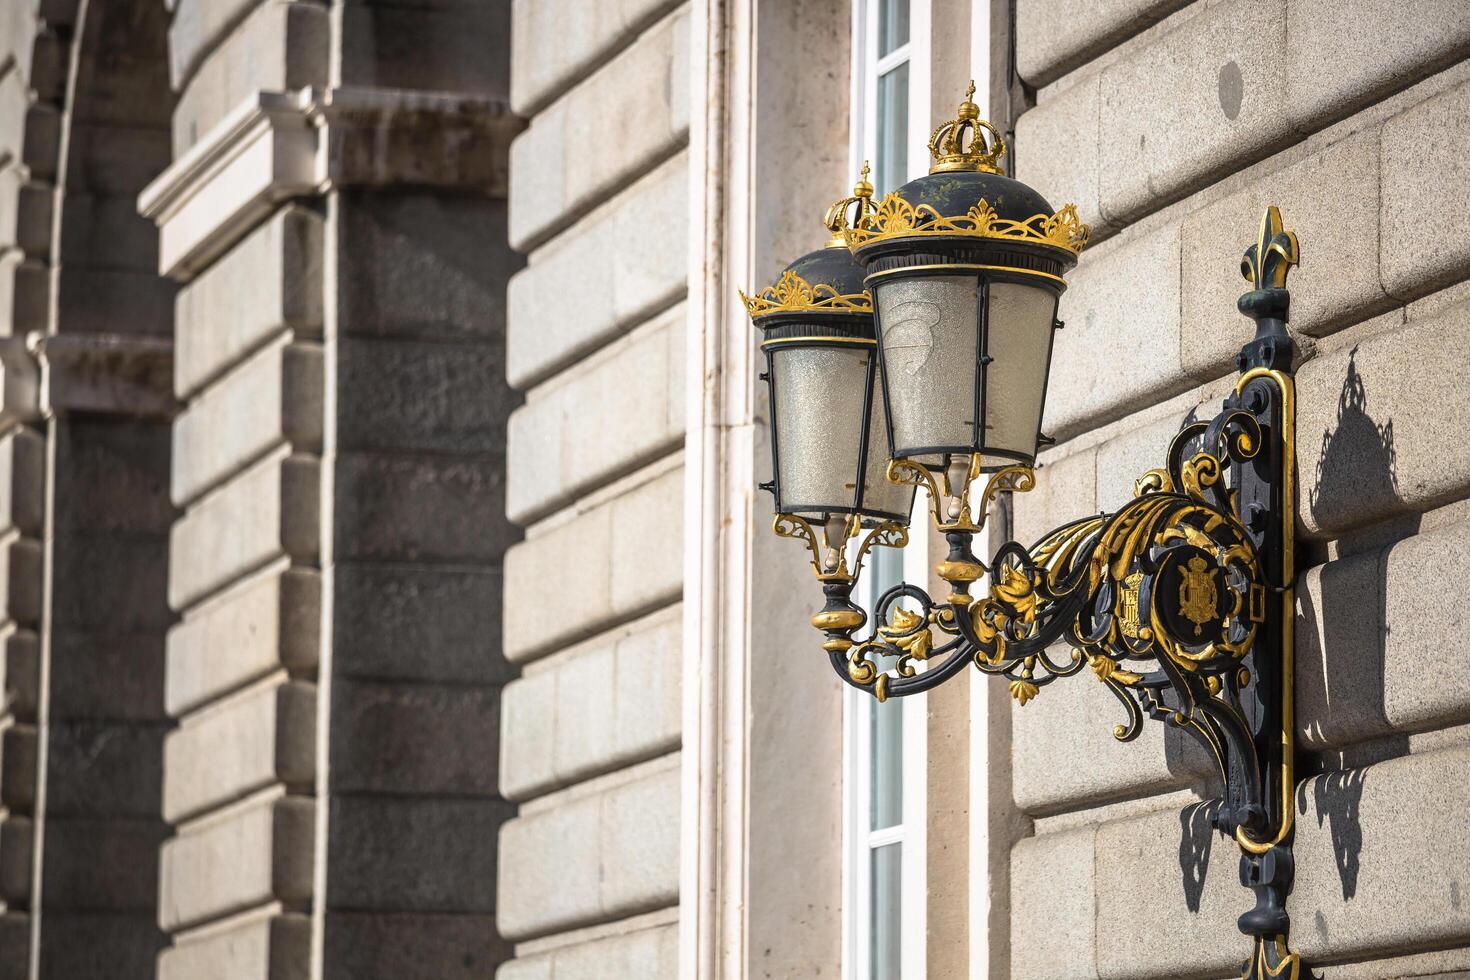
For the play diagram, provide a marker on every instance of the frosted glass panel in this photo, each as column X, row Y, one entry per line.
column 819, row 393
column 928, row 331
column 1019, row 343
column 880, row 496
column 886, row 913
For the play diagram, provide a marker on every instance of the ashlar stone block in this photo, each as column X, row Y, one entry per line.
column 1064, row 755
column 642, row 94
column 263, row 735
column 424, row 854
column 621, row 263
column 1048, row 45
column 420, row 508
column 1125, row 296
column 1377, row 424
column 280, row 45
column 612, row 703
column 1064, row 127
column 1310, row 193
column 276, row 947
column 278, row 265
column 647, row 953
column 557, row 41
column 1382, row 858
column 273, row 398
column 414, row 738
column 1197, row 102
column 1423, row 247
column 558, row 448
column 247, row 855
column 22, row 476
column 1337, row 66
column 270, row 510
column 394, row 945
column 1065, row 862
column 265, row 623
column 1364, row 626
column 638, row 536
column 594, row 857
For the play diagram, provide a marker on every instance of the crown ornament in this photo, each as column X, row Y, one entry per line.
column 967, row 142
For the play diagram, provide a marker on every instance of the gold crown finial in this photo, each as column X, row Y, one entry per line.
column 959, row 143
column 837, row 221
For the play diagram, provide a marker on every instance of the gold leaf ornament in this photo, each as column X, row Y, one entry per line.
column 793, row 294
column 1023, row 691
column 904, row 634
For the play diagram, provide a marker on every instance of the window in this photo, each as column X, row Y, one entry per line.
column 884, row 790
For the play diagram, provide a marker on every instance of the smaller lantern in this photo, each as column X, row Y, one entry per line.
column 828, row 431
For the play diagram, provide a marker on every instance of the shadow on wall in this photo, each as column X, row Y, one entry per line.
column 1356, row 473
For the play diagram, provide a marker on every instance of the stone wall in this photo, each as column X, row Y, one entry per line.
column 335, row 215
column 590, row 736
column 1172, row 125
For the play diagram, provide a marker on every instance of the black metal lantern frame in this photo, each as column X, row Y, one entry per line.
column 819, row 304
column 1181, row 602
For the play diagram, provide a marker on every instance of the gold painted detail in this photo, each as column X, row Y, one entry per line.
column 955, row 516
column 1107, row 669
column 908, row 633
column 793, row 294
column 1128, row 623
column 1023, row 691
column 838, row 619
column 1267, row 262
column 829, row 556
column 1197, row 595
column 837, row 221
column 897, row 218
column 960, row 144
column 1272, row 959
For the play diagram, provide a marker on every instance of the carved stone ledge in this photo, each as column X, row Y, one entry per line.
column 41, row 376
column 280, row 145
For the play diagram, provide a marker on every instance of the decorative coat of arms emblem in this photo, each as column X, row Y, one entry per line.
column 1198, row 599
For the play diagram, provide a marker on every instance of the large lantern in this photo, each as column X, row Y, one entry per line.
column 965, row 266
column 828, row 428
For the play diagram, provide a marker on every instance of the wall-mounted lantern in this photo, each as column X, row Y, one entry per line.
column 1181, row 602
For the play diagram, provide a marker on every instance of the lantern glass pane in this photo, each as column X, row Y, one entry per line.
column 1018, row 340
column 882, row 497
column 818, row 414
column 927, row 326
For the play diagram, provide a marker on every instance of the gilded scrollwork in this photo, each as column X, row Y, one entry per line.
column 793, row 294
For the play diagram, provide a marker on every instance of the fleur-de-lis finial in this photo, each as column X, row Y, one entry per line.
column 1267, row 262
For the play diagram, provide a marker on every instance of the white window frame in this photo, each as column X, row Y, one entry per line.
column 911, row 832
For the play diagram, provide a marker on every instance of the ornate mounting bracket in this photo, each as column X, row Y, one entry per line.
column 1181, row 602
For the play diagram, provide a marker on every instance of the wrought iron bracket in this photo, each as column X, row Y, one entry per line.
column 1181, row 602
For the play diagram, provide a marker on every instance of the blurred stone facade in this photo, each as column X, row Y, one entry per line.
column 385, row 590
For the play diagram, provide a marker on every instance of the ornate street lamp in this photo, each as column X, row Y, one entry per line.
column 829, row 449
column 1181, row 602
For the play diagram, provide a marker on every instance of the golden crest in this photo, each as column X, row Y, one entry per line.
column 1128, row 605
column 897, row 218
column 793, row 294
column 1198, row 599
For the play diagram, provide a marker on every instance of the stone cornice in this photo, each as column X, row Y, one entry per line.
column 49, row 374
column 280, row 145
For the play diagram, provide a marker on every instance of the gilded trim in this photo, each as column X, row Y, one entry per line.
column 850, row 341
column 895, row 217
column 966, row 266
column 793, row 294
column 1288, row 608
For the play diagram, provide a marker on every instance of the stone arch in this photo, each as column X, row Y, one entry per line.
column 86, row 426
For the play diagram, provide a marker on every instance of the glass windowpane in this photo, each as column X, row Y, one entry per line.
column 885, row 721
column 893, row 25
column 885, row 925
column 893, row 128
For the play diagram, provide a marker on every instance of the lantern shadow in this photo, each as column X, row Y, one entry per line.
column 1196, row 838
column 1342, row 621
